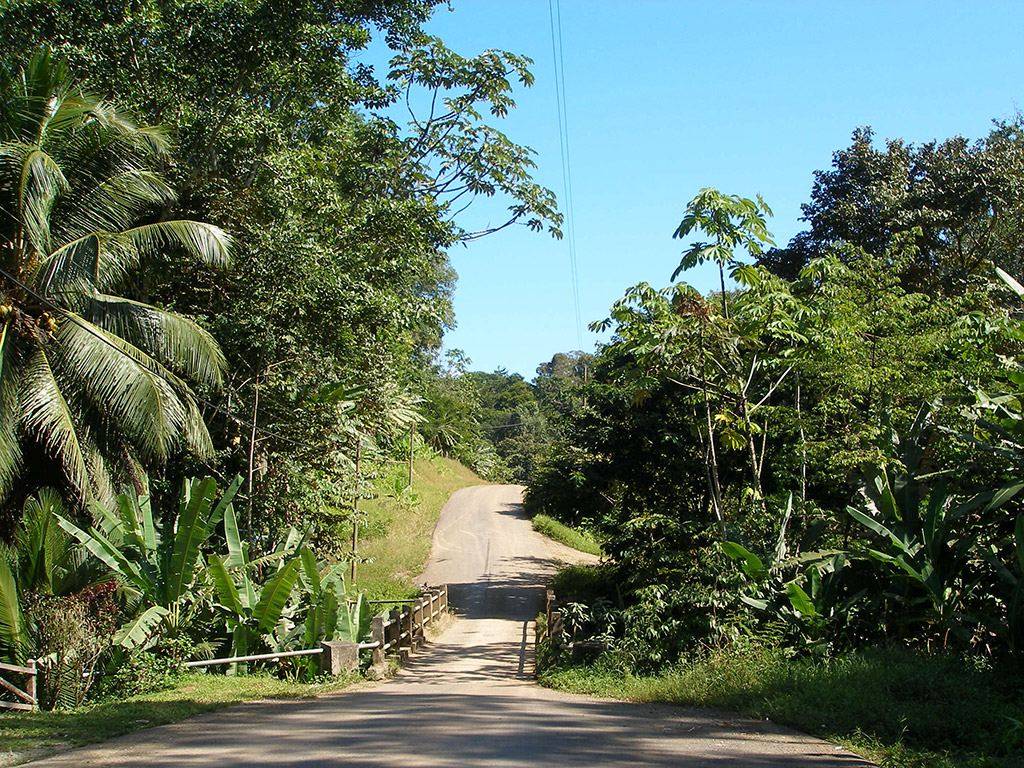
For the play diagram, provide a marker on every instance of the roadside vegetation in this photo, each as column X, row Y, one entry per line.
column 151, row 688
column 218, row 348
column 897, row 707
column 224, row 286
column 808, row 483
column 400, row 523
column 577, row 538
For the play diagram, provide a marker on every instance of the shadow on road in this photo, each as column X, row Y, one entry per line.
column 573, row 733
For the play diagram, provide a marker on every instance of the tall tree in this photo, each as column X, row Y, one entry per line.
column 958, row 203
column 91, row 384
column 343, row 215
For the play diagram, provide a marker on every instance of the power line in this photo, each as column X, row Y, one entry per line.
column 558, row 60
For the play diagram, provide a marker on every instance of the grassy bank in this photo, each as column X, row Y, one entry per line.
column 396, row 540
column 28, row 736
column 571, row 537
column 900, row 708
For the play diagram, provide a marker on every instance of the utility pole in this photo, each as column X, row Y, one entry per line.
column 412, row 434
column 355, row 512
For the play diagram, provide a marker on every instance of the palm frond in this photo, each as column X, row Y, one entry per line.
column 205, row 242
column 13, row 638
column 46, row 416
column 142, row 396
column 115, row 202
column 176, row 341
column 67, row 273
column 102, row 484
column 42, row 180
column 197, row 436
column 10, row 448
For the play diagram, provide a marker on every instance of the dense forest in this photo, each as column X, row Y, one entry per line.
column 822, row 458
column 224, row 285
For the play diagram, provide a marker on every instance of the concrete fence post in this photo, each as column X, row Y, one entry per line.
column 407, row 626
column 417, row 621
column 377, row 634
column 339, row 657
column 395, row 631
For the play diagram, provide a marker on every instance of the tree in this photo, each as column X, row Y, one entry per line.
column 89, row 382
column 958, row 202
column 342, row 214
column 732, row 222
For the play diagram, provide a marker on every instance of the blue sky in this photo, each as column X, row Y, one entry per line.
column 663, row 98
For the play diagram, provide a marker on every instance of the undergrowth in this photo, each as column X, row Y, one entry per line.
column 900, row 707
column 577, row 538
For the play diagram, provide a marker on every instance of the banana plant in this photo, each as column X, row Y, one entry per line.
column 924, row 544
column 323, row 611
column 253, row 611
column 161, row 566
column 803, row 591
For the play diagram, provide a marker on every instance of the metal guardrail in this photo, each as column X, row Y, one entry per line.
column 398, row 631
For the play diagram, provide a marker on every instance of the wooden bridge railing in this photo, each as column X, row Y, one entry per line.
column 27, row 697
column 401, row 630
column 552, row 615
column 397, row 632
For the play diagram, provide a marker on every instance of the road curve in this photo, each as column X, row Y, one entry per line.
column 468, row 700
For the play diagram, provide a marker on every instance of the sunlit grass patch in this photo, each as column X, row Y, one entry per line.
column 576, row 538
column 899, row 707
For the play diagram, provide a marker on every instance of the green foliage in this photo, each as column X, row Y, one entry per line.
column 576, row 538
column 341, row 213
column 959, row 203
column 840, row 384
column 896, row 706
column 160, row 564
column 69, row 636
column 90, row 383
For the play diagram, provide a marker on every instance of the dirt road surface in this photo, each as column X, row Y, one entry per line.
column 468, row 700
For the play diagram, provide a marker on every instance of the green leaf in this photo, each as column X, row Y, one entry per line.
column 749, row 562
column 311, row 575
column 1013, row 284
column 274, row 596
column 236, row 552
column 137, row 632
column 227, row 592
column 109, row 555
column 354, row 624
column 800, row 601
column 190, row 533
column 12, row 625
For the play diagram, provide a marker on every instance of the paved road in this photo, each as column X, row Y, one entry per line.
column 468, row 701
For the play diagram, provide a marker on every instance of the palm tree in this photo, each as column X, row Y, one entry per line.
column 92, row 386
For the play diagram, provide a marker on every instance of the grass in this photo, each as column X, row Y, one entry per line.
column 576, row 538
column 397, row 537
column 28, row 736
column 900, row 708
